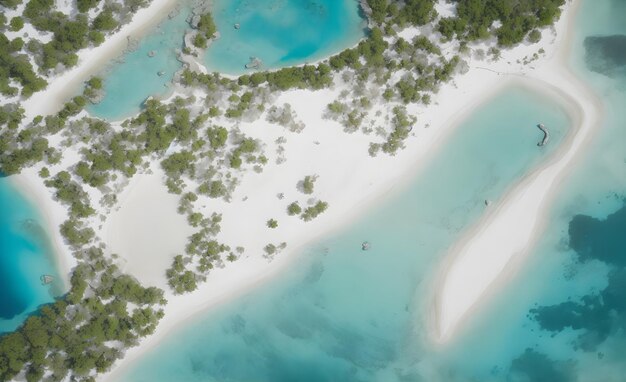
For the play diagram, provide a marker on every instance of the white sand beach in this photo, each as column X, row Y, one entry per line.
column 492, row 250
column 147, row 223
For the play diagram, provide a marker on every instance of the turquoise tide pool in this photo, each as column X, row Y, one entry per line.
column 135, row 76
column 279, row 32
column 341, row 314
column 25, row 255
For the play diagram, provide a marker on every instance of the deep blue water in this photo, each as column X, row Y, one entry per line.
column 25, row 255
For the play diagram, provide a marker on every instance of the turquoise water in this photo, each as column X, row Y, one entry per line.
column 341, row 314
column 129, row 82
column 25, row 255
column 281, row 32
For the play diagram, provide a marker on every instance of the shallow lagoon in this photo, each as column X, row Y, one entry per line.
column 25, row 255
column 344, row 314
column 280, row 32
column 135, row 76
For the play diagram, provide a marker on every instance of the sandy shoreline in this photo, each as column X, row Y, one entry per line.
column 492, row 251
column 93, row 61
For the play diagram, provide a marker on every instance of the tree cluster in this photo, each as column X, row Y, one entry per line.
column 476, row 18
column 314, row 211
column 14, row 65
column 413, row 12
column 85, row 331
column 206, row 26
column 301, row 77
column 21, row 146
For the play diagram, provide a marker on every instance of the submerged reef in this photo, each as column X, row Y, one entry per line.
column 606, row 54
column 598, row 315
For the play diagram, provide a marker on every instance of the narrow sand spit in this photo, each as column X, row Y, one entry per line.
column 491, row 251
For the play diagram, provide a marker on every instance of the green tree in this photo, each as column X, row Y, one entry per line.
column 534, row 36
column 294, row 209
column 11, row 4
column 85, row 5
column 379, row 10
column 217, row 189
column 217, row 136
column 314, row 211
column 200, row 41
column 75, row 235
column 206, row 25
column 235, row 160
column 35, row 332
column 178, row 164
column 105, row 21
column 36, row 9
column 16, row 24
column 13, row 355
column 308, row 184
